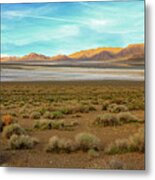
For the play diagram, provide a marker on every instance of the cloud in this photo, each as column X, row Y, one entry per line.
column 4, row 55
column 58, row 33
column 28, row 14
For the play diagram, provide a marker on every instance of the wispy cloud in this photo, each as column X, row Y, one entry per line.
column 28, row 14
column 58, row 27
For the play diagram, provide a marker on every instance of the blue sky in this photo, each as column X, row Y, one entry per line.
column 64, row 28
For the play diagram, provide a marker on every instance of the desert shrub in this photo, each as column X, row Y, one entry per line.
column 115, row 108
column 91, row 108
column 14, row 114
column 42, row 124
column 22, row 142
column 116, row 164
column 67, row 111
column 57, row 144
column 25, row 116
column 119, row 146
column 57, row 124
column 7, row 119
column 42, row 111
column 86, row 141
column 137, row 141
column 83, row 109
column 11, row 129
column 105, row 105
column 47, row 115
column 54, row 124
column 126, row 117
column 35, row 115
column 93, row 153
column 57, row 115
column 107, row 120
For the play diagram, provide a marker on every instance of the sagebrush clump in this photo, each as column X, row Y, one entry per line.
column 135, row 143
column 35, row 115
column 118, row 146
column 55, row 124
column 22, row 142
column 107, row 119
column 57, row 144
column 105, row 105
column 13, row 129
column 126, row 117
column 115, row 108
column 86, row 141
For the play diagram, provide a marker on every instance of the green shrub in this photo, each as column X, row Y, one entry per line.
column 35, row 115
column 57, row 115
column 126, row 117
column 86, row 141
column 42, row 124
column 49, row 124
column 93, row 153
column 22, row 142
column 114, row 108
column 13, row 129
column 57, row 124
column 47, row 115
column 67, row 111
column 57, row 144
column 107, row 120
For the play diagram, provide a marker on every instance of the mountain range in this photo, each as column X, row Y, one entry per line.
column 131, row 52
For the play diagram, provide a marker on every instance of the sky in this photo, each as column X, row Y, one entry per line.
column 65, row 28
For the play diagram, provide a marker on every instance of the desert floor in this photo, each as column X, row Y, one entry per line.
column 78, row 105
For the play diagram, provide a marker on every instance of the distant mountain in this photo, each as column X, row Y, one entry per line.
column 94, row 53
column 60, row 58
column 9, row 58
column 34, row 56
column 131, row 52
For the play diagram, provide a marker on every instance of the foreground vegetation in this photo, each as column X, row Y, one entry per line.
column 73, row 124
